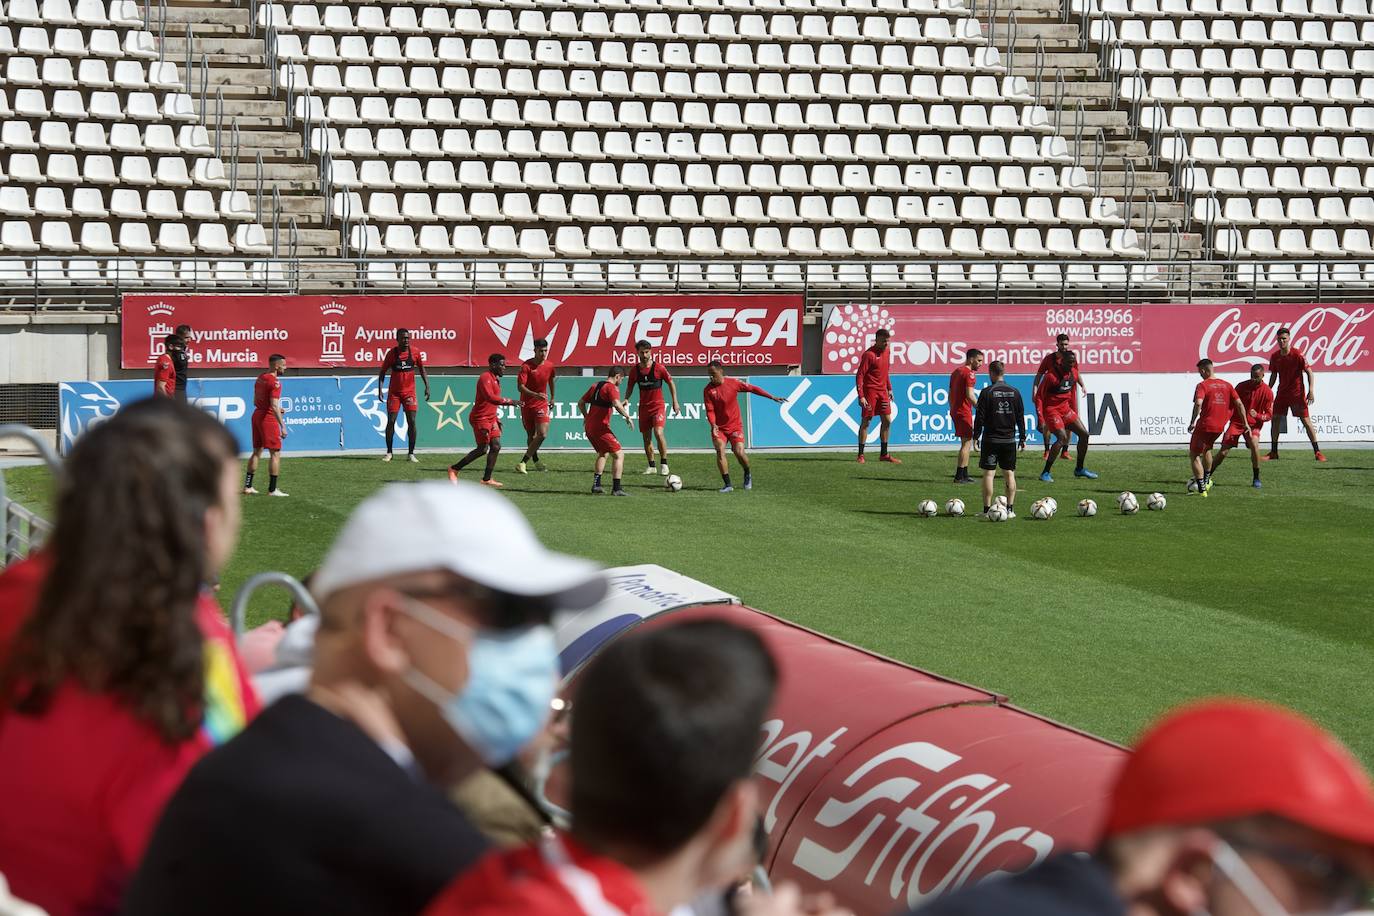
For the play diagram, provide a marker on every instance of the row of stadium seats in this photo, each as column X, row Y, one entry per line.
column 104, row 44
column 1199, row 33
column 88, row 13
column 1243, row 9
column 125, row 203
column 63, row 168
column 101, row 105
column 1268, row 61
column 16, row 236
column 92, row 137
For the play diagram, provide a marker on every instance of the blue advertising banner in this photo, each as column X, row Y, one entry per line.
column 822, row 411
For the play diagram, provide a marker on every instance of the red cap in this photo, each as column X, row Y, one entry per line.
column 1221, row 759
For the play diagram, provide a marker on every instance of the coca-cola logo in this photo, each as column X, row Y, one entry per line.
column 1326, row 335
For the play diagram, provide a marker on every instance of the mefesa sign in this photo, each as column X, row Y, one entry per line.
column 1107, row 338
column 235, row 332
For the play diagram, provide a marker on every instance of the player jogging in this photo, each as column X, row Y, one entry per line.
column 165, row 369
column 874, row 382
column 721, row 397
column 963, row 400
column 1061, row 345
column 596, row 406
column 485, row 419
column 1056, row 403
column 1214, row 403
column 649, row 376
column 1289, row 367
column 1000, row 421
column 269, row 426
column 535, row 382
column 402, row 362
column 1258, row 399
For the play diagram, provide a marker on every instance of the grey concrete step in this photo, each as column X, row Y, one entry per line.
column 250, row 49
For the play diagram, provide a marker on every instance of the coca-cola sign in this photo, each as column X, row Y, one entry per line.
column 1330, row 336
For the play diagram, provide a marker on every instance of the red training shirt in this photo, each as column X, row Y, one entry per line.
column 649, row 382
column 402, row 365
column 1057, row 388
column 165, row 372
column 1258, row 399
column 722, row 402
column 1048, row 363
column 960, row 381
column 1292, row 383
column 265, row 390
column 1216, row 396
column 873, row 373
column 603, row 396
column 484, row 408
column 536, row 378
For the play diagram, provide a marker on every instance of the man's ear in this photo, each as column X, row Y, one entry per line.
column 1189, row 873
column 381, row 643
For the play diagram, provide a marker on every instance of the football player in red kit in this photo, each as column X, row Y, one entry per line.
column 1214, row 403
column 1061, row 345
column 596, row 406
column 165, row 370
column 485, row 419
column 1258, row 399
column 1289, row 367
column 269, row 426
column 649, row 376
column 874, row 383
column 535, row 382
column 963, row 399
column 721, row 397
column 402, row 362
column 1056, row 403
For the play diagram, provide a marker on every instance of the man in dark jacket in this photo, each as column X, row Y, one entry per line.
column 999, row 424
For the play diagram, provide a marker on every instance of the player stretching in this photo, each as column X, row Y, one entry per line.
column 649, row 376
column 269, row 426
column 1214, row 401
column 1001, row 422
column 1289, row 367
column 486, row 421
column 596, row 406
column 1056, row 402
column 1258, row 399
column 875, row 394
column 721, row 397
column 402, row 362
column 963, row 400
column 1061, row 345
column 165, row 370
column 535, row 382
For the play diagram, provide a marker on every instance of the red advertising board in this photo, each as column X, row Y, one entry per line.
column 237, row 332
column 743, row 331
column 1107, row 338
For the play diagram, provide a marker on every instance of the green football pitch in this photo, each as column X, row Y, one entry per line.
column 1099, row 622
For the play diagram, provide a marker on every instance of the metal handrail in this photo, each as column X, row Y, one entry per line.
column 238, row 609
column 1079, row 120
column 204, row 85
column 219, row 120
column 1099, row 161
column 188, row 58
column 258, row 156
column 161, row 27
column 1058, row 100
column 234, row 162
column 1128, row 187
column 276, row 221
column 1040, row 59
column 14, row 518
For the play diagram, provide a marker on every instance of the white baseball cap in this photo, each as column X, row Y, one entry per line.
column 466, row 529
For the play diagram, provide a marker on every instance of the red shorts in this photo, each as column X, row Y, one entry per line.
column 1054, row 418
column 653, row 417
column 730, row 434
column 532, row 417
column 603, row 440
column 879, row 404
column 266, row 431
column 1235, row 433
column 1202, row 440
column 963, row 425
column 1297, row 404
column 402, row 400
column 486, row 431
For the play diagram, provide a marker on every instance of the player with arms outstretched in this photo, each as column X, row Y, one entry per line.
column 485, row 419
column 1214, row 403
column 721, row 397
column 1258, row 399
column 1289, row 367
column 402, row 362
column 535, row 382
column 1056, row 403
column 649, row 376
column 874, row 383
column 269, row 425
column 1061, row 345
column 596, row 406
column 963, row 401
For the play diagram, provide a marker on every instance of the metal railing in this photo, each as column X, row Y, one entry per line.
column 24, row 530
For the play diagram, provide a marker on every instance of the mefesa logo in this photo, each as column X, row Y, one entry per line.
column 1326, row 335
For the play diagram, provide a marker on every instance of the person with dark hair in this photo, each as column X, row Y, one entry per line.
column 434, row 657
column 649, row 376
column 121, row 672
column 1214, row 403
column 165, row 369
column 269, row 426
column 1000, row 423
column 1289, row 367
column 721, row 397
column 596, row 405
column 873, row 381
column 402, row 362
column 664, row 807
column 963, row 400
column 535, row 382
column 485, row 420
column 1048, row 362
column 181, row 358
column 1258, row 399
column 1056, row 403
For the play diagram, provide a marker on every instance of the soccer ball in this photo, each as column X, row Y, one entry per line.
column 927, row 508
column 954, row 507
column 1156, row 502
column 1000, row 501
column 997, row 512
column 1193, row 485
column 1127, row 503
column 1050, row 501
column 672, row 483
column 1042, row 510
column 1087, row 508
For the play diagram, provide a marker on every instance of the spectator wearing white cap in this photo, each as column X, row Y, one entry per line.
column 1226, row 808
column 434, row 656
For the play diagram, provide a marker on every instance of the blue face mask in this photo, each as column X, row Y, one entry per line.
column 512, row 676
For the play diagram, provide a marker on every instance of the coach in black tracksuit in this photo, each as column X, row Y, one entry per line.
column 999, row 425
